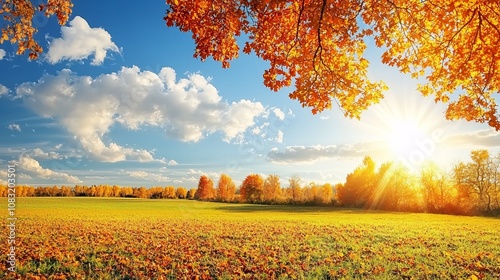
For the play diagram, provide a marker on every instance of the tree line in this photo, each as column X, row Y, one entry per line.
column 101, row 191
column 469, row 188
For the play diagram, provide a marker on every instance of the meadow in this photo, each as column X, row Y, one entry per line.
column 118, row 238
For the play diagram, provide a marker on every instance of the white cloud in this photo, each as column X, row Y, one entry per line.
column 188, row 109
column 311, row 154
column 172, row 162
column 33, row 166
column 79, row 41
column 279, row 137
column 3, row 177
column 14, row 126
column 212, row 175
column 39, row 153
column 239, row 116
column 279, row 114
column 153, row 177
column 3, row 90
column 488, row 138
column 58, row 146
column 2, row 54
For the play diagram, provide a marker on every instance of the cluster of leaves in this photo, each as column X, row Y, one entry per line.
column 319, row 44
column 186, row 240
column 19, row 15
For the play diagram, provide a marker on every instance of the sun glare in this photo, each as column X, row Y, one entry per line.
column 406, row 127
column 401, row 136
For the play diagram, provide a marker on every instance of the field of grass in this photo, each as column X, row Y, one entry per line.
column 110, row 238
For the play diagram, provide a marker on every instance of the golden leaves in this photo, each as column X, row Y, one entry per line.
column 319, row 45
column 19, row 16
column 454, row 43
column 214, row 26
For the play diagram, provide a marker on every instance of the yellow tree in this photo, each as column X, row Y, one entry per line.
column 116, row 191
column 169, row 192
column 320, row 45
column 181, row 192
column 326, row 193
column 295, row 190
column 272, row 188
column 226, row 188
column 191, row 193
column 252, row 188
column 18, row 18
column 436, row 188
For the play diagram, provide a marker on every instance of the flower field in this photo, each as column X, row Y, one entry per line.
column 112, row 238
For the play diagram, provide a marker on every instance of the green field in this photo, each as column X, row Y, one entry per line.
column 112, row 238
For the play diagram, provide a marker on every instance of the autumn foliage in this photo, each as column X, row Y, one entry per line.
column 320, row 46
column 226, row 189
column 205, row 189
column 19, row 15
column 252, row 188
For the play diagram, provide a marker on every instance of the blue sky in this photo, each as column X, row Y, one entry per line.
column 117, row 98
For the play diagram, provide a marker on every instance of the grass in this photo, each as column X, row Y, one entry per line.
column 110, row 238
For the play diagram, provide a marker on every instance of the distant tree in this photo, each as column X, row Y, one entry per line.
column 191, row 194
column 395, row 189
column 205, row 189
column 272, row 189
column 252, row 188
column 3, row 190
column 126, row 192
column 437, row 194
column 181, row 192
column 360, row 185
column 169, row 192
column 225, row 188
column 295, row 189
column 156, row 192
column 116, row 191
column 141, row 192
column 66, row 191
column 478, row 181
column 326, row 193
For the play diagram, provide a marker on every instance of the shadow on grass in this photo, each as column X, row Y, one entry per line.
column 253, row 208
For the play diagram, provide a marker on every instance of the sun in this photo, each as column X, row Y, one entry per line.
column 402, row 136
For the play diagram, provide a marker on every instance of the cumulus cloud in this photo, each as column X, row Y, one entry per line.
column 311, row 154
column 188, row 109
column 2, row 54
column 279, row 114
column 153, row 177
column 14, row 126
column 3, row 90
column 39, row 153
column 32, row 166
column 198, row 173
column 172, row 162
column 79, row 41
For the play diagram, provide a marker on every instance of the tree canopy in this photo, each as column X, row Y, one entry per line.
column 19, row 15
column 319, row 45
